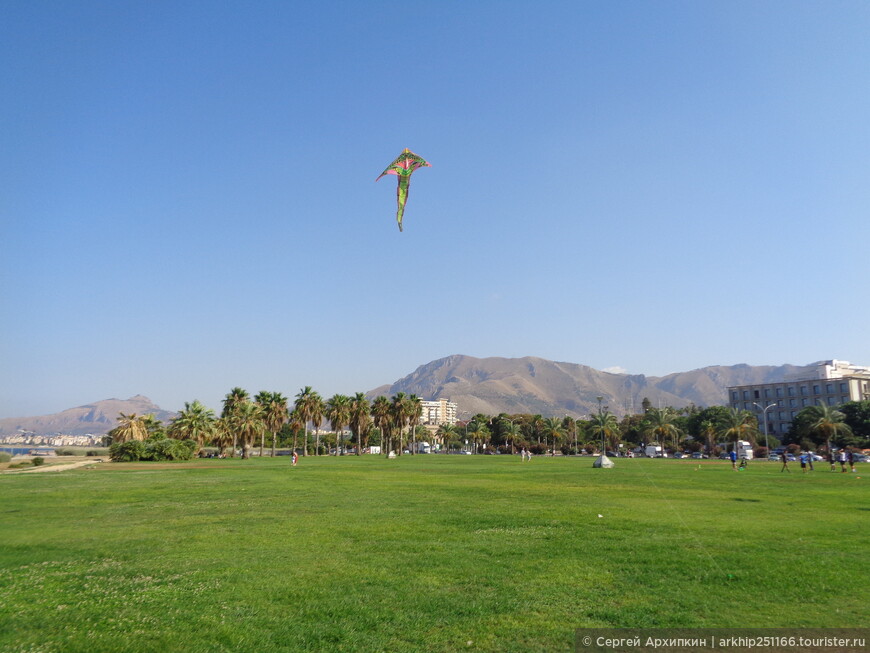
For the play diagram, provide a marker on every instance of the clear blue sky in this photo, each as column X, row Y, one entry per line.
column 188, row 200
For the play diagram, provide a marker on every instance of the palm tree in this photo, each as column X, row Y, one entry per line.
column 360, row 420
column 660, row 425
column 309, row 405
column 447, row 432
column 827, row 422
column 399, row 410
column 605, row 427
column 296, row 424
column 511, row 431
column 247, row 421
column 338, row 413
column 275, row 413
column 479, row 433
column 739, row 425
column 222, row 435
column 234, row 399
column 130, row 427
column 195, row 422
column 414, row 411
column 708, row 430
column 382, row 417
column 552, row 428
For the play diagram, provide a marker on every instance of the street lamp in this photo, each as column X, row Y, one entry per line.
column 764, row 418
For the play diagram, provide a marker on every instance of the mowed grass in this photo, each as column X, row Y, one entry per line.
column 423, row 553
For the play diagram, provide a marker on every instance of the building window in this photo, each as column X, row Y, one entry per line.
column 843, row 400
column 829, row 388
column 792, row 402
column 805, row 401
column 782, row 416
column 746, row 394
column 767, row 393
column 793, row 414
column 804, row 390
column 832, row 401
column 746, row 405
column 735, row 396
column 817, row 389
column 757, row 394
column 844, row 387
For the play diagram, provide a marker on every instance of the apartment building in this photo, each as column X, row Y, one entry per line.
column 831, row 382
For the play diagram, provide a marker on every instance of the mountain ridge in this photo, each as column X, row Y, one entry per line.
column 536, row 385
column 96, row 418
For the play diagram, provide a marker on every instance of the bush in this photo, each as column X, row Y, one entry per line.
column 159, row 449
column 127, row 452
column 96, row 452
column 64, row 451
column 5, row 457
column 37, row 461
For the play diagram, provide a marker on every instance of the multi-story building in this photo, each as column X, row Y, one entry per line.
column 830, row 382
column 438, row 412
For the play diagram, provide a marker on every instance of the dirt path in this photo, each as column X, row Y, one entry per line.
column 52, row 468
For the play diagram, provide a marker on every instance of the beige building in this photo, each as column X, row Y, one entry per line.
column 830, row 382
column 438, row 412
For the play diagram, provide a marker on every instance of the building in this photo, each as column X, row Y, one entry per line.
column 830, row 382
column 438, row 412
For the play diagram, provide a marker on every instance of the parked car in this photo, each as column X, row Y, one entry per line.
column 698, row 455
column 860, row 458
column 774, row 457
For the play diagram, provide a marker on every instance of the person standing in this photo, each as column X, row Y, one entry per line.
column 832, row 460
column 784, row 463
column 733, row 456
column 295, row 458
column 841, row 458
column 850, row 456
column 803, row 460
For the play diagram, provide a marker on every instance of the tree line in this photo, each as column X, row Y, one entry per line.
column 269, row 419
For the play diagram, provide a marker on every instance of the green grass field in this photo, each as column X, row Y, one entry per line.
column 423, row 553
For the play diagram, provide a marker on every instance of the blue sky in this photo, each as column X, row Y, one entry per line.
column 189, row 203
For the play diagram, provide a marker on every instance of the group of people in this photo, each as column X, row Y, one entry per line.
column 526, row 454
column 806, row 460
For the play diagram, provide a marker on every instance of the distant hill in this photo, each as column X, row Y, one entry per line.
column 97, row 418
column 536, row 385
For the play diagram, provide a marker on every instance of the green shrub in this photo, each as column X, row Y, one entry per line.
column 5, row 457
column 97, row 452
column 127, row 452
column 37, row 461
column 64, row 451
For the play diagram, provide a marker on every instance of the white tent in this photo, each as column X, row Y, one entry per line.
column 602, row 461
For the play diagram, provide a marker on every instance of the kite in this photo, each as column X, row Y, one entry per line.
column 405, row 164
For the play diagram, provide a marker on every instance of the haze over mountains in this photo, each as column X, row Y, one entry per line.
column 482, row 385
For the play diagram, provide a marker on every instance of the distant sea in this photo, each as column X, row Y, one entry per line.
column 21, row 451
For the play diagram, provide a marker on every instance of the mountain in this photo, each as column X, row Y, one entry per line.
column 97, row 418
column 536, row 385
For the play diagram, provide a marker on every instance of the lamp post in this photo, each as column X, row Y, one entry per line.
column 764, row 418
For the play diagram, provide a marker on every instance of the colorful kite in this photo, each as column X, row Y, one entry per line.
column 405, row 164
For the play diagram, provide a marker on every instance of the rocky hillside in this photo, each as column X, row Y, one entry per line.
column 97, row 418
column 536, row 385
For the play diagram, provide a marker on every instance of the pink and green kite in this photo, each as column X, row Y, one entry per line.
column 404, row 165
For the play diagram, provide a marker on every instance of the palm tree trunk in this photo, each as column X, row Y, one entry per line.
column 262, row 443
column 274, row 442
column 304, row 444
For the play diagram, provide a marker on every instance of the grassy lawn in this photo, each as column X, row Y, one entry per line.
column 423, row 553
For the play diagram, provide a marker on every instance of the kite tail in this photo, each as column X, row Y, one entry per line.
column 401, row 198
